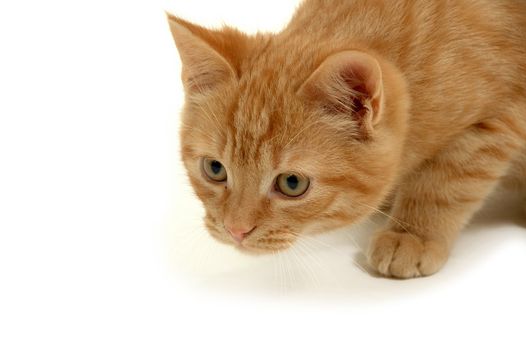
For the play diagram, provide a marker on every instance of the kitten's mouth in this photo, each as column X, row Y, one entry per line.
column 255, row 245
column 271, row 242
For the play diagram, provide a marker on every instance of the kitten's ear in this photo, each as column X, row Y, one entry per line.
column 206, row 55
column 348, row 83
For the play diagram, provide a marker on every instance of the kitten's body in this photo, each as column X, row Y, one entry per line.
column 462, row 60
column 441, row 124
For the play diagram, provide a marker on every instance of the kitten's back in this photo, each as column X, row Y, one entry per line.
column 463, row 59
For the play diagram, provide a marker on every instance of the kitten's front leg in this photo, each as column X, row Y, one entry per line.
column 435, row 202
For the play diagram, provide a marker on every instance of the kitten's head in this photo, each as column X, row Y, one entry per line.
column 280, row 138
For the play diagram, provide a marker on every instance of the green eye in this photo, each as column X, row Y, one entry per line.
column 214, row 170
column 292, row 185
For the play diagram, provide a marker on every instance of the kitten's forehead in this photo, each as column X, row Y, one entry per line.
column 268, row 116
column 250, row 138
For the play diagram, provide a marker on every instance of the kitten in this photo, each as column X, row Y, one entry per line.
column 356, row 103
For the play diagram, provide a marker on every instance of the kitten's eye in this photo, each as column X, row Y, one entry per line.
column 292, row 185
column 214, row 170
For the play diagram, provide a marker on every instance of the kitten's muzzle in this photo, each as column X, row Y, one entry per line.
column 239, row 233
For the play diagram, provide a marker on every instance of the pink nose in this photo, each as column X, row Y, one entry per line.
column 239, row 233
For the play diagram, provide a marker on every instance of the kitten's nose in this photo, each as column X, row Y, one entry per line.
column 239, row 233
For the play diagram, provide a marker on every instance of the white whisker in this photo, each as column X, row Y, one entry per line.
column 399, row 222
column 306, row 268
column 308, row 126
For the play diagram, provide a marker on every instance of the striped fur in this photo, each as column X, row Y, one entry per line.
column 448, row 125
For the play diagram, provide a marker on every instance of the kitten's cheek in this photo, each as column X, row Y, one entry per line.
column 217, row 235
column 324, row 226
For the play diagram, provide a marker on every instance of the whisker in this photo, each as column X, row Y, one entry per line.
column 313, row 240
column 275, row 264
column 306, row 269
column 288, row 268
column 283, row 279
column 308, row 254
column 301, row 131
column 305, row 245
column 316, row 240
column 399, row 222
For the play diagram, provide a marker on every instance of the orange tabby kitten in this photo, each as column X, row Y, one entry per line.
column 355, row 104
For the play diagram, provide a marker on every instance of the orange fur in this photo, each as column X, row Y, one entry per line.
column 421, row 101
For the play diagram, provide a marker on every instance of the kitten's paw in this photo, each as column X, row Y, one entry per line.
column 404, row 255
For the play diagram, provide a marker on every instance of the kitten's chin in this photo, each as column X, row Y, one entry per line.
column 262, row 250
column 251, row 248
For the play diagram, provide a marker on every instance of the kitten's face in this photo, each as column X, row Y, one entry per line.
column 278, row 168
column 270, row 157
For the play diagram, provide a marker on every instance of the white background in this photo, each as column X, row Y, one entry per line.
column 101, row 243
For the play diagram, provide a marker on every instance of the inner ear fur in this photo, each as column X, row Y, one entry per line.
column 348, row 84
